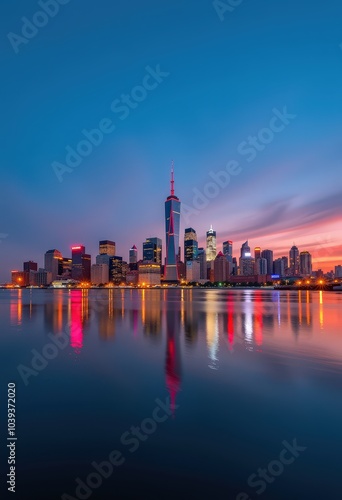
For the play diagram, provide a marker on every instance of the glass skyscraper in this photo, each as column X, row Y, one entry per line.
column 152, row 250
column 172, row 223
column 190, row 244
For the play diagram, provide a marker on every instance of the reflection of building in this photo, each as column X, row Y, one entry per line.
column 149, row 273
column 190, row 320
column 172, row 365
column 190, row 244
column 55, row 313
column 151, row 314
column 212, row 338
column 172, row 223
column 211, row 245
column 79, row 314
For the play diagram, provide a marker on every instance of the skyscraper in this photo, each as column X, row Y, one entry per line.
column 30, row 266
column 53, row 263
column 220, row 268
column 107, row 247
column 338, row 271
column 261, row 266
column 247, row 263
column 81, row 263
column 172, row 223
column 211, row 245
column 152, row 250
column 294, row 261
column 228, row 253
column 279, row 267
column 116, row 269
column 133, row 255
column 203, row 264
column 257, row 253
column 268, row 255
column 190, row 244
column 245, row 250
column 305, row 263
column 228, row 250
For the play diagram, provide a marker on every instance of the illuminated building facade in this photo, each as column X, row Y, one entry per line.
column 190, row 244
column 247, row 263
column 152, row 250
column 294, row 261
column 172, row 224
column 149, row 274
column 53, row 260
column 81, row 264
column 133, row 255
column 211, row 245
column 107, row 247
column 305, row 264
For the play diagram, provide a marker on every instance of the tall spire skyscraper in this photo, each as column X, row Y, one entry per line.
column 172, row 222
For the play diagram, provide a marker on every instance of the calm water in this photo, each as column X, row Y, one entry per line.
column 236, row 374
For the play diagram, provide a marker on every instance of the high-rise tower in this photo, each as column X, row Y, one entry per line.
column 172, row 222
column 190, row 244
column 211, row 245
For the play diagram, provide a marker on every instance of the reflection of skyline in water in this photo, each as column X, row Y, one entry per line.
column 223, row 319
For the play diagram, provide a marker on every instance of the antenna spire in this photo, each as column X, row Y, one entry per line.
column 172, row 180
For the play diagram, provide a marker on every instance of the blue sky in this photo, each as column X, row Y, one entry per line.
column 224, row 80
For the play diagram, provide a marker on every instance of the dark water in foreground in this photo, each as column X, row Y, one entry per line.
column 191, row 393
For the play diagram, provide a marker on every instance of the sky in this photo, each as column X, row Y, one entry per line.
column 192, row 82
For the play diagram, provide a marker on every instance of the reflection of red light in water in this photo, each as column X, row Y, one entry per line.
column 172, row 365
column 76, row 330
column 230, row 324
column 172, row 377
column 258, row 319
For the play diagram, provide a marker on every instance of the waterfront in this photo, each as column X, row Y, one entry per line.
column 245, row 370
